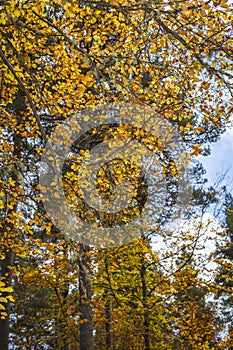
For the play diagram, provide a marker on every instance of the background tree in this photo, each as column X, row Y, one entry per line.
column 224, row 273
column 58, row 58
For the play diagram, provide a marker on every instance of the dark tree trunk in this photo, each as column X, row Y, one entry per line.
column 108, row 324
column 8, row 262
column 6, row 273
column 146, row 316
column 146, row 334
column 62, row 338
column 85, row 294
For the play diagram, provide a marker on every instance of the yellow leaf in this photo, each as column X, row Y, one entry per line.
column 10, row 297
column 3, row 300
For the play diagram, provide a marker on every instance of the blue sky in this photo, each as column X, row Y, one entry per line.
column 220, row 160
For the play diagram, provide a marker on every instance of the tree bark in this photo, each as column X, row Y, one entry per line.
column 146, row 334
column 146, row 316
column 85, row 295
column 108, row 324
column 6, row 273
column 8, row 262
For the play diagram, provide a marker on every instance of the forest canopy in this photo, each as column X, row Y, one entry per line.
column 61, row 60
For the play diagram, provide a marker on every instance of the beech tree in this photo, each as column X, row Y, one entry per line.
column 60, row 57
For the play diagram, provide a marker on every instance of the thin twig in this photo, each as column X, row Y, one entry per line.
column 25, row 90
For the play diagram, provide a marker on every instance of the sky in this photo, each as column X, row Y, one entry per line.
column 220, row 160
column 217, row 163
column 203, row 234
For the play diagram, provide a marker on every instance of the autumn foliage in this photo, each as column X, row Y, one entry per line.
column 57, row 59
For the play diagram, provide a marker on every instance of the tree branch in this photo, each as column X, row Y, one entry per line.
column 25, row 91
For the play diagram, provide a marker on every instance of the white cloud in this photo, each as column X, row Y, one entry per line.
column 199, row 237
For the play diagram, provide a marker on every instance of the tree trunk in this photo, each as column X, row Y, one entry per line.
column 8, row 262
column 108, row 324
column 146, row 333
column 146, row 316
column 85, row 295
column 62, row 323
column 6, row 273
